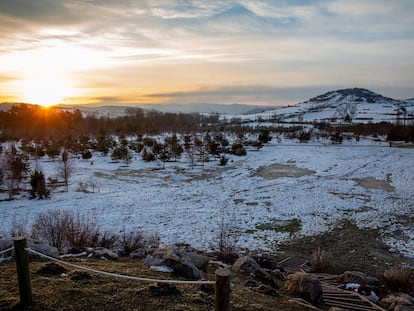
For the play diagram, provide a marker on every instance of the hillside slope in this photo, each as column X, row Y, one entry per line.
column 360, row 105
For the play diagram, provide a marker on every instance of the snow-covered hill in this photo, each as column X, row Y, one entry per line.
column 356, row 104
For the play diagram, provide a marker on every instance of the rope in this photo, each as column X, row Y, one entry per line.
column 6, row 250
column 121, row 276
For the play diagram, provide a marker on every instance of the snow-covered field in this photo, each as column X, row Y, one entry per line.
column 188, row 205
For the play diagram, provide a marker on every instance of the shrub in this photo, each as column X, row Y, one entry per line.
column 38, row 183
column 148, row 156
column 50, row 226
column 238, row 149
column 86, row 155
column 400, row 278
column 320, row 261
column 106, row 239
column 66, row 230
column 131, row 241
column 228, row 237
column 223, row 160
column 19, row 227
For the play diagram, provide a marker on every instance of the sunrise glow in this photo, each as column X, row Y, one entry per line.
column 42, row 91
column 252, row 52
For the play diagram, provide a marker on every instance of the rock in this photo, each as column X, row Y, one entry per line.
column 278, row 274
column 266, row 260
column 399, row 302
column 142, row 252
column 101, row 252
column 5, row 244
column 138, row 254
column 249, row 265
column 306, row 286
column 42, row 247
column 200, row 261
column 177, row 259
column 38, row 246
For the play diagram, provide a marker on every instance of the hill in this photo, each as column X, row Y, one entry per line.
column 360, row 105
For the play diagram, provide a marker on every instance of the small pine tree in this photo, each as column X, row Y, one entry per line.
column 38, row 183
column 223, row 160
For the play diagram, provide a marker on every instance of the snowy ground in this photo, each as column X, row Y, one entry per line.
column 367, row 182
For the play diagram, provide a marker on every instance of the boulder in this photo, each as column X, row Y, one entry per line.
column 42, row 247
column 248, row 265
column 305, row 285
column 142, row 252
column 200, row 261
column 177, row 259
column 38, row 246
column 399, row 302
column 101, row 252
column 5, row 244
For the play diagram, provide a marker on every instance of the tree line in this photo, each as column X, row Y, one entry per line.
column 34, row 122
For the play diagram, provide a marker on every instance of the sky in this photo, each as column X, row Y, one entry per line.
column 192, row 51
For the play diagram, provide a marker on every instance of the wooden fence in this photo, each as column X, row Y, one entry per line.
column 221, row 283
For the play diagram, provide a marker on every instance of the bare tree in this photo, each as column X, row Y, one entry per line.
column 66, row 168
column 346, row 111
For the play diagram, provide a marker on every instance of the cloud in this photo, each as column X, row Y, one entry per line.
column 250, row 94
column 165, row 46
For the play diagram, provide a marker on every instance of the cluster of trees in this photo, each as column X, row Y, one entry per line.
column 198, row 148
column 35, row 122
column 15, row 170
column 67, row 135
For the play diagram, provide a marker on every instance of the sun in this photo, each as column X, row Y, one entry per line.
column 44, row 91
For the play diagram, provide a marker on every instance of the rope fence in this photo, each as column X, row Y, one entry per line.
column 6, row 250
column 222, row 282
column 120, row 276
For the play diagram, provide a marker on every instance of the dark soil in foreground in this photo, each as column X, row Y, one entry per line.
column 350, row 248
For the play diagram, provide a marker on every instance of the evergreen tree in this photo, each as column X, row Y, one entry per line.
column 38, row 183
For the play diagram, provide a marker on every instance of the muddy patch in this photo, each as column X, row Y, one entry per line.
column 373, row 183
column 281, row 170
column 351, row 248
column 291, row 226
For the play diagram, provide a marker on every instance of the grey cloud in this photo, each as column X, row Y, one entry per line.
column 246, row 94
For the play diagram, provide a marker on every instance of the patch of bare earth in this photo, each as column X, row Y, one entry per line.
column 281, row 170
column 350, row 248
column 373, row 183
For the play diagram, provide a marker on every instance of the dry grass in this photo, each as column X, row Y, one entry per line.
column 78, row 292
column 320, row 261
column 400, row 278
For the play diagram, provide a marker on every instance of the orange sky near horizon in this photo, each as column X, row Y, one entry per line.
column 237, row 51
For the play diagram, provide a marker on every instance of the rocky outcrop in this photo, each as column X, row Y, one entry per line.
column 188, row 265
column 248, row 265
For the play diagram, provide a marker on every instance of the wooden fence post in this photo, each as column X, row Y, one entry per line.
column 22, row 267
column 222, row 295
